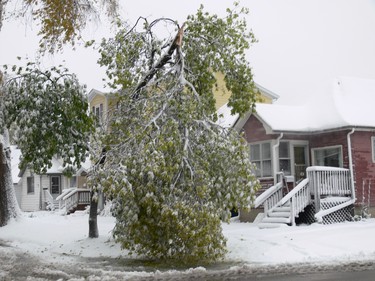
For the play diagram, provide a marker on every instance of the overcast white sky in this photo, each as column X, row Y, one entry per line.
column 303, row 44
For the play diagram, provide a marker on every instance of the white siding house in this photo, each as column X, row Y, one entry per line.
column 37, row 192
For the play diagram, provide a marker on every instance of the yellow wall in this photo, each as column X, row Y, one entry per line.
column 222, row 94
column 98, row 99
column 264, row 99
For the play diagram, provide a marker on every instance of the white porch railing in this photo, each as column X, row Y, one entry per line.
column 298, row 199
column 72, row 197
column 48, row 199
column 270, row 197
column 329, row 181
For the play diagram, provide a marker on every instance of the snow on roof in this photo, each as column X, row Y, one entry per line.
column 348, row 104
column 57, row 166
column 15, row 154
column 226, row 119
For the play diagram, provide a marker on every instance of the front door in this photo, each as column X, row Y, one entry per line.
column 300, row 161
column 55, row 186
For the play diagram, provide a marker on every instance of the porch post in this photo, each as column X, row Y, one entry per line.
column 275, row 158
column 351, row 162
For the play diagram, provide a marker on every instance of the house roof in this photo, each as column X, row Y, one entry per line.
column 93, row 93
column 348, row 104
column 56, row 168
column 225, row 117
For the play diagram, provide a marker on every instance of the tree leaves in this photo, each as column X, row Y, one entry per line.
column 50, row 111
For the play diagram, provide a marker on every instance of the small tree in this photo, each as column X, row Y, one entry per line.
column 173, row 172
column 50, row 110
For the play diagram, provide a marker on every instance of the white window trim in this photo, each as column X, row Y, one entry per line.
column 327, row 147
column 288, row 142
column 271, row 159
column 60, row 183
column 373, row 149
column 292, row 144
column 99, row 108
column 32, row 183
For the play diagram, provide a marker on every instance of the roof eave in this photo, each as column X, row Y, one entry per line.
column 319, row 131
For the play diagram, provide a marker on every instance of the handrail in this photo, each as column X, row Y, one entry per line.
column 319, row 216
column 49, row 198
column 72, row 197
column 329, row 181
column 267, row 193
column 325, row 168
column 320, row 182
column 295, row 190
column 302, row 190
column 63, row 193
column 73, row 191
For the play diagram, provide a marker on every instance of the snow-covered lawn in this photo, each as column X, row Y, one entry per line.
column 62, row 239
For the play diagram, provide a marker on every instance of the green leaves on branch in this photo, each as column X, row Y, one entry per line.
column 50, row 111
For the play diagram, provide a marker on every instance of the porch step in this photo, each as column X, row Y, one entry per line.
column 276, row 220
column 279, row 214
column 282, row 209
column 264, row 225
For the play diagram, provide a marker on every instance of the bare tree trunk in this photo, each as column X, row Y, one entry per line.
column 8, row 202
column 93, row 218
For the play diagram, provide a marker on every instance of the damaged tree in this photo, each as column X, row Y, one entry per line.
column 173, row 173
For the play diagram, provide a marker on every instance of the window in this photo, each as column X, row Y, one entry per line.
column 55, row 184
column 284, row 158
column 73, row 181
column 373, row 148
column 260, row 156
column 30, row 185
column 328, row 156
column 98, row 112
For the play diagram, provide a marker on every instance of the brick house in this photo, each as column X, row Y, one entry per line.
column 337, row 131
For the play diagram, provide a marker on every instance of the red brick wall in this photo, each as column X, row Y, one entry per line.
column 364, row 171
column 254, row 131
column 331, row 139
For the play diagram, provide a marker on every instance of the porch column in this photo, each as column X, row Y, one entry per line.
column 275, row 157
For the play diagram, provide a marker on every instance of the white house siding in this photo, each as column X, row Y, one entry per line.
column 18, row 191
column 30, row 202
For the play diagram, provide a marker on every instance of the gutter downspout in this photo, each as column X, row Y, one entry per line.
column 351, row 162
column 275, row 157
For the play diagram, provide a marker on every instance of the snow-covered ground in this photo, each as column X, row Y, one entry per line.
column 58, row 242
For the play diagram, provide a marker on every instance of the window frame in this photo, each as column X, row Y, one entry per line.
column 288, row 158
column 30, row 185
column 261, row 160
column 341, row 158
column 53, row 185
column 97, row 111
column 373, row 148
column 73, row 179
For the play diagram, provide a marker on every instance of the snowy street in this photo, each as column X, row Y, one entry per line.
column 17, row 265
column 49, row 246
